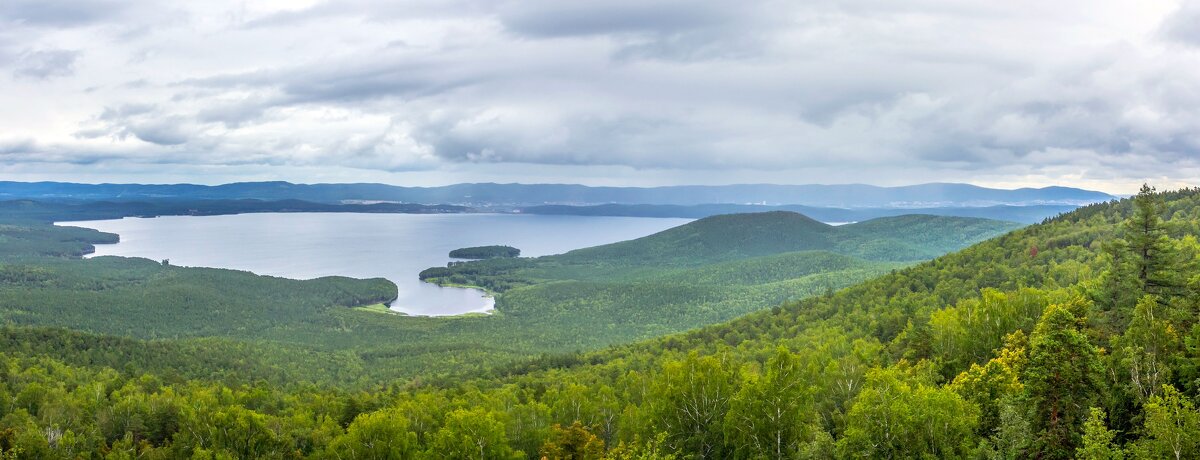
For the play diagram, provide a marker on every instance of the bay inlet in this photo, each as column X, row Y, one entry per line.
column 392, row 246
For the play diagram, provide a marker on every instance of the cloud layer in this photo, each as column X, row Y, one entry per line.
column 1097, row 94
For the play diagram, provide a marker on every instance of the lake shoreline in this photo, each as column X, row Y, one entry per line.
column 396, row 247
column 490, row 303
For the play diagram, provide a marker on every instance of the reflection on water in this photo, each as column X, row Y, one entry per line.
column 392, row 246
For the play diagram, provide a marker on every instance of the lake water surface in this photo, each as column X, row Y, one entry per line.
column 392, row 246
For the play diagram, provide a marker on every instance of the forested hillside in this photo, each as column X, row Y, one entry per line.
column 1075, row 338
column 304, row 332
column 701, row 273
column 731, row 237
column 734, row 236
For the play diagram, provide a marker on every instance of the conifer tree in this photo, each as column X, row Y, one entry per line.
column 1153, row 260
column 1062, row 378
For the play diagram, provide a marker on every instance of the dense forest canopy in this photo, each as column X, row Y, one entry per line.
column 1074, row 338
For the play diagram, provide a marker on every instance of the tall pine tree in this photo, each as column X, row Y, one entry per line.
column 1062, row 378
column 1153, row 262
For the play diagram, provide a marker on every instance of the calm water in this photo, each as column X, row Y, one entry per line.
column 392, row 246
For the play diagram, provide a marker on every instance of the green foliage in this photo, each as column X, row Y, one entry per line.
column 382, row 435
column 1062, row 378
column 1172, row 427
column 689, row 401
column 572, row 443
column 1146, row 350
column 973, row 329
column 638, row 450
column 774, row 414
column 1098, row 440
column 471, row 434
column 101, row 295
column 993, row 385
column 899, row 416
column 1013, row 435
column 1154, row 262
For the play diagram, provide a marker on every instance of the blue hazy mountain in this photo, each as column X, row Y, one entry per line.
column 1027, row 214
column 936, row 195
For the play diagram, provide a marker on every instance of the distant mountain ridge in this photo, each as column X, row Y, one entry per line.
column 29, row 209
column 931, row 195
column 1028, row 214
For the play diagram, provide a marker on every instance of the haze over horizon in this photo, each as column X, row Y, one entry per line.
column 1099, row 96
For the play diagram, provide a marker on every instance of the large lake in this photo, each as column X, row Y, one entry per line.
column 392, row 246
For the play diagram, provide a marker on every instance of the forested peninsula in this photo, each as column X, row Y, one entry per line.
column 485, row 252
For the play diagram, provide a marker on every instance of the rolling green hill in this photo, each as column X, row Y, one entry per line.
column 714, row 239
column 737, row 236
column 731, row 237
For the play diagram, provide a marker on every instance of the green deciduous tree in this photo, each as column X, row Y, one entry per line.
column 574, row 442
column 689, row 401
column 990, row 385
column 1097, row 443
column 652, row 449
column 1171, row 429
column 973, row 329
column 472, row 434
column 1147, row 349
column 381, row 435
column 773, row 414
column 895, row 416
column 1013, row 435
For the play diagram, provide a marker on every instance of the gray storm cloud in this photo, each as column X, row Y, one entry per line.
column 45, row 64
column 1017, row 89
column 60, row 13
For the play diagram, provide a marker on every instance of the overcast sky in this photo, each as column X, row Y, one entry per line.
column 1096, row 94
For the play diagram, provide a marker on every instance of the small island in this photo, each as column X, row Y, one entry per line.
column 485, row 252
